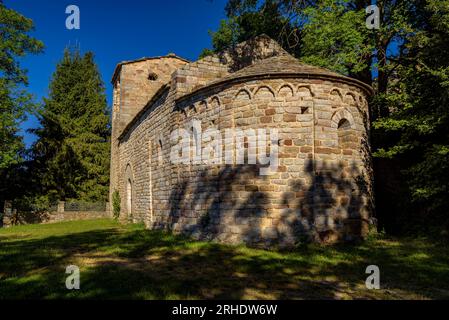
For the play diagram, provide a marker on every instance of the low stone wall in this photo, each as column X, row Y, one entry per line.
column 75, row 215
column 12, row 217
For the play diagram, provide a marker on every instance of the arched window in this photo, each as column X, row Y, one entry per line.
column 129, row 190
column 345, row 134
column 159, row 152
column 344, row 124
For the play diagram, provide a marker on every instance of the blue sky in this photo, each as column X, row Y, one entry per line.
column 115, row 31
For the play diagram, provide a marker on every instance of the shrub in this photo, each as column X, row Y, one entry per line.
column 116, row 204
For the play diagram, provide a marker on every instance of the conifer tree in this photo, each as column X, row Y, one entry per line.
column 72, row 150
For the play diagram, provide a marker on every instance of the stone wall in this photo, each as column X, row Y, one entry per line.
column 13, row 217
column 134, row 84
column 321, row 191
column 75, row 215
column 198, row 74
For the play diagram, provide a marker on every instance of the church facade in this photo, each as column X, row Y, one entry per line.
column 246, row 146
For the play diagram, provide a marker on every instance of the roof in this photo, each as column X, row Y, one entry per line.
column 278, row 66
column 120, row 64
column 282, row 65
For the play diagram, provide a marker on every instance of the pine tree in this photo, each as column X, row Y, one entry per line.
column 72, row 150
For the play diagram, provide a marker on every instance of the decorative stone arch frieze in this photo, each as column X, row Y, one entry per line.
column 361, row 100
column 184, row 112
column 258, row 90
column 336, row 97
column 350, row 99
column 192, row 110
column 362, row 105
column 303, row 89
column 202, row 106
column 214, row 102
column 283, row 88
column 306, row 95
column 243, row 94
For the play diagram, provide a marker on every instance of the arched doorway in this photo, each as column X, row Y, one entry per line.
column 129, row 180
column 129, row 198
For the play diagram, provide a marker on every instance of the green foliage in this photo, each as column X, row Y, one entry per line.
column 374, row 234
column 72, row 151
column 249, row 18
column 335, row 37
column 15, row 103
column 116, row 204
column 417, row 132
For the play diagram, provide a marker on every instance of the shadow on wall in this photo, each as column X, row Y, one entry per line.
column 328, row 203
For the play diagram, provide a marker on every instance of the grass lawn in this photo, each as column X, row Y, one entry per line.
column 126, row 261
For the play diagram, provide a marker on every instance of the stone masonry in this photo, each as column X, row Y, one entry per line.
column 322, row 187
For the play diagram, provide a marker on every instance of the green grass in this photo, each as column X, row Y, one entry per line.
column 128, row 262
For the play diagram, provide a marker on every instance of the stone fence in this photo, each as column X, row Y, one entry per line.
column 11, row 216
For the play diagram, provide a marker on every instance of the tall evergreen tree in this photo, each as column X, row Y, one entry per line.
column 72, row 150
column 15, row 103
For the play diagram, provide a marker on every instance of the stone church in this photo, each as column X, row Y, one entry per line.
column 320, row 186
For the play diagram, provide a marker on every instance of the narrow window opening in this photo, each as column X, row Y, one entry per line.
column 152, row 76
column 159, row 152
column 344, row 124
column 129, row 191
column 346, row 137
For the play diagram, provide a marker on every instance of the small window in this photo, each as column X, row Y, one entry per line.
column 152, row 76
column 159, row 152
column 344, row 124
column 346, row 138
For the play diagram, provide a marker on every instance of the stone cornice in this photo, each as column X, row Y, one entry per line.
column 279, row 75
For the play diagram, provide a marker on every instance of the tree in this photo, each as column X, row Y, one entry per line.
column 72, row 151
column 417, row 131
column 247, row 19
column 15, row 103
column 329, row 33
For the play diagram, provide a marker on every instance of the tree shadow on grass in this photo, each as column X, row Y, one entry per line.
column 140, row 264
